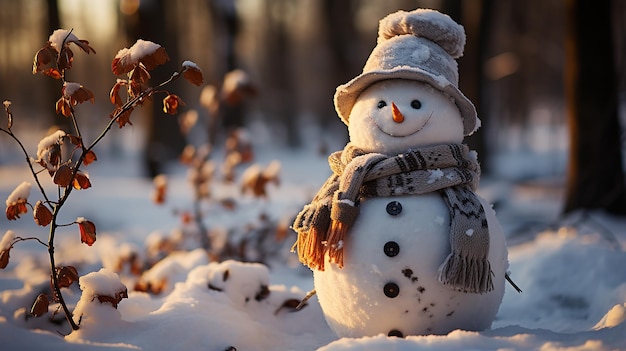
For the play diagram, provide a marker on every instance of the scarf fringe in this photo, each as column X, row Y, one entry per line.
column 466, row 274
column 311, row 249
column 336, row 236
column 311, row 243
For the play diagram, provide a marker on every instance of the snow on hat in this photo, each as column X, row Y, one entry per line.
column 420, row 45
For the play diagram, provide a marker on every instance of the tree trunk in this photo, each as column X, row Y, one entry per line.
column 277, row 70
column 595, row 177
column 164, row 139
column 53, row 87
column 226, row 24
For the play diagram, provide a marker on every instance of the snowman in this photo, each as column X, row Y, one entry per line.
column 398, row 240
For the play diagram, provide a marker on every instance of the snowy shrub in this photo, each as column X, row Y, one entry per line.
column 241, row 282
column 64, row 154
column 253, row 241
column 102, row 291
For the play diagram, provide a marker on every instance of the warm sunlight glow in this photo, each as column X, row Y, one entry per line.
column 95, row 19
column 129, row 7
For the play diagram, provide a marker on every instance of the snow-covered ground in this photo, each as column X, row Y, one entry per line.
column 571, row 271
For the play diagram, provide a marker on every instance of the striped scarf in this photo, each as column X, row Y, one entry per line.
column 450, row 169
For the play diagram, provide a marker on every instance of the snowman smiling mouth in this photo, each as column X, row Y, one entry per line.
column 402, row 135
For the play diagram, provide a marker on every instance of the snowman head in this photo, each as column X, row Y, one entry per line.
column 420, row 46
column 392, row 116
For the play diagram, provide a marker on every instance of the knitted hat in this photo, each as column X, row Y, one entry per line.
column 420, row 45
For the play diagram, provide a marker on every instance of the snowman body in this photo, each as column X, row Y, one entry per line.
column 389, row 283
column 392, row 253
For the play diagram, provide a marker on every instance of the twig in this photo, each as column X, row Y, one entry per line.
column 18, row 239
column 305, row 299
column 508, row 279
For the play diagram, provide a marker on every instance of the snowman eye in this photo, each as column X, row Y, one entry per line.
column 381, row 104
column 416, row 104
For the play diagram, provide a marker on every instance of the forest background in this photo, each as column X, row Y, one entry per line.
column 547, row 78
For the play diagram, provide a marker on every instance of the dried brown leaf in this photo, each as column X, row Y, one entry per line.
column 123, row 118
column 77, row 94
column 81, row 181
column 135, row 89
column 87, row 231
column 66, row 57
column 160, row 189
column 114, row 95
column 139, row 74
column 290, row 305
column 42, row 214
column 142, row 52
column 63, row 176
column 63, row 107
column 186, row 217
column 66, row 275
column 153, row 287
column 90, row 157
column 122, row 64
column 158, row 57
column 255, row 180
column 229, row 203
column 113, row 300
column 4, row 258
column 188, row 154
column 16, row 209
column 171, row 103
column 7, row 105
column 43, row 57
column 40, row 306
column 83, row 45
column 52, row 72
column 193, row 74
column 187, row 121
column 74, row 139
column 50, row 158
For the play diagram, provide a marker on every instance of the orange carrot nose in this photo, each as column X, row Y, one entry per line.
column 398, row 117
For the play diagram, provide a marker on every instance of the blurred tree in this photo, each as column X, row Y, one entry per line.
column 276, row 68
column 225, row 23
column 153, row 22
column 340, row 34
column 595, row 177
column 52, row 92
column 476, row 18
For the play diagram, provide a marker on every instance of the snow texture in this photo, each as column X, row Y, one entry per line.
column 69, row 88
column 22, row 191
column 140, row 49
column 58, row 36
column 574, row 291
column 190, row 64
column 103, row 282
column 47, row 142
column 7, row 240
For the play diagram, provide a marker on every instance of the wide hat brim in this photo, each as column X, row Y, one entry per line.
column 346, row 94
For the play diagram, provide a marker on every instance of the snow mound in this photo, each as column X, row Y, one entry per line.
column 97, row 307
column 231, row 313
